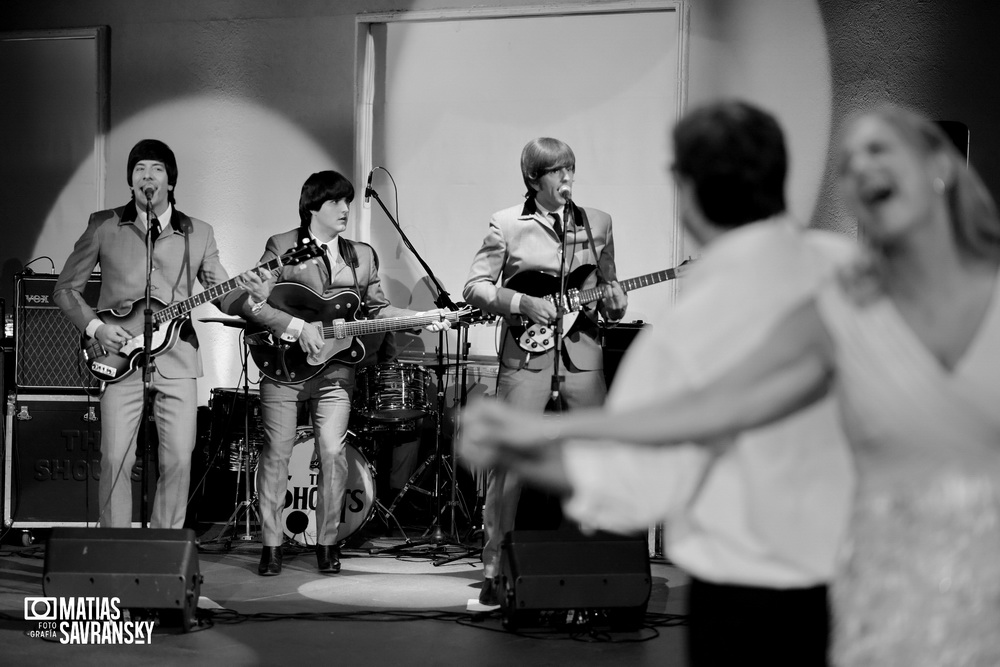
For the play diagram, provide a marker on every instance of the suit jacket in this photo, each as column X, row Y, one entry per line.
column 521, row 239
column 185, row 254
column 316, row 275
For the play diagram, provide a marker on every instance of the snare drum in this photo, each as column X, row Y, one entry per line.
column 299, row 516
column 393, row 392
column 229, row 410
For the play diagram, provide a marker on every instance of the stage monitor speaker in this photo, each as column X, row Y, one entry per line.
column 47, row 345
column 565, row 579
column 146, row 568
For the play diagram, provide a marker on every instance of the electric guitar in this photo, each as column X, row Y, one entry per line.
column 581, row 290
column 108, row 366
column 335, row 315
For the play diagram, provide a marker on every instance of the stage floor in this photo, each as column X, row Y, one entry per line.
column 383, row 609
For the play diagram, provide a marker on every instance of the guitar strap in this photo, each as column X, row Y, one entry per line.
column 350, row 256
column 580, row 214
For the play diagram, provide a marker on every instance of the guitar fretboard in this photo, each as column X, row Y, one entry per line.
column 181, row 308
column 363, row 327
column 588, row 295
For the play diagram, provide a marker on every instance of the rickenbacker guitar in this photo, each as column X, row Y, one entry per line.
column 581, row 290
column 287, row 363
column 108, row 366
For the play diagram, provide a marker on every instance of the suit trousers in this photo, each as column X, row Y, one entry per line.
column 729, row 624
column 329, row 403
column 530, row 390
column 175, row 409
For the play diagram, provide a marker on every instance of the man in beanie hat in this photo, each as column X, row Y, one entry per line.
column 184, row 252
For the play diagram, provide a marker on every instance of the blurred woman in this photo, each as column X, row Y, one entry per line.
column 908, row 339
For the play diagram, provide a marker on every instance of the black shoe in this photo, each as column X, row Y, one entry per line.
column 270, row 562
column 328, row 558
column 488, row 594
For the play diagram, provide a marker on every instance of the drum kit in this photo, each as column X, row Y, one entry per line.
column 389, row 398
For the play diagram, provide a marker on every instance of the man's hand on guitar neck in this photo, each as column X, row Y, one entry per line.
column 439, row 324
column 613, row 302
column 536, row 309
column 257, row 283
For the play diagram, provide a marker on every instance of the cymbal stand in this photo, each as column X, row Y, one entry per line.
column 434, row 535
column 462, row 376
column 248, row 507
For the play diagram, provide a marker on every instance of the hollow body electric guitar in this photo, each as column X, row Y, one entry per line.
column 581, row 289
column 108, row 366
column 287, row 363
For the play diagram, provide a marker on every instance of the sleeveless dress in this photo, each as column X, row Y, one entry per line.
column 919, row 578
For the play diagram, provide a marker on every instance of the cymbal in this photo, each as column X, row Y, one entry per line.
column 236, row 322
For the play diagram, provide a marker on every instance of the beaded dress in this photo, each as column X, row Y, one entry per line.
column 919, row 578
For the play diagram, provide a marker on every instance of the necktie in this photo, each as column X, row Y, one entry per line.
column 557, row 225
column 154, row 229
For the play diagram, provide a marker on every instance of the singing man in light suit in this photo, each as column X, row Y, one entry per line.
column 324, row 206
column 184, row 254
column 538, row 236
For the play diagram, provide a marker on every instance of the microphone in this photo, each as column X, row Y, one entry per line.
column 566, row 193
column 368, row 189
column 149, row 193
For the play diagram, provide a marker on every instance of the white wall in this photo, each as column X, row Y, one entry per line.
column 461, row 99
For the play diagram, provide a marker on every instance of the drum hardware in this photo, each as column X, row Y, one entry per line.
column 241, row 460
column 434, row 535
column 461, row 375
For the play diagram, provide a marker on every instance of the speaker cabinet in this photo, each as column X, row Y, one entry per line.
column 145, row 568
column 616, row 341
column 562, row 578
column 53, row 467
column 48, row 351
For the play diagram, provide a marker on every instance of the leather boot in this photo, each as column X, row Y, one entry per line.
column 488, row 595
column 270, row 562
column 328, row 558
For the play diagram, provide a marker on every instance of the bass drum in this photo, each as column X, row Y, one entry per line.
column 299, row 515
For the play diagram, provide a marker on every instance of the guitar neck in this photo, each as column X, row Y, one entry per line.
column 589, row 295
column 363, row 327
column 181, row 308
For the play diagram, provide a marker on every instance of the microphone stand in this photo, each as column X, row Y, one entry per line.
column 434, row 534
column 555, row 398
column 444, row 299
column 147, row 360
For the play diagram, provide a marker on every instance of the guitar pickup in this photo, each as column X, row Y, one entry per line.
column 339, row 329
column 570, row 303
